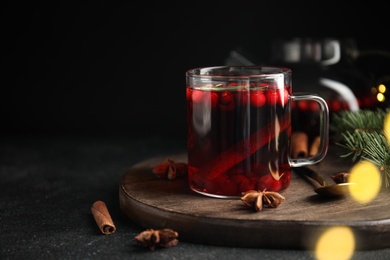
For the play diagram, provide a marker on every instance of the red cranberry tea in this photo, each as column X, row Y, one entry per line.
column 239, row 129
column 238, row 138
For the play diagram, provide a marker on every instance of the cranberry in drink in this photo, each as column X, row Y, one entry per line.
column 238, row 137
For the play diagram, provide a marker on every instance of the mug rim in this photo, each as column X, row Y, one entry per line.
column 246, row 71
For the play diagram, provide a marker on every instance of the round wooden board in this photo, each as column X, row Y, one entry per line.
column 296, row 224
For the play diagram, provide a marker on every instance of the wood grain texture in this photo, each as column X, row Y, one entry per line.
column 296, row 224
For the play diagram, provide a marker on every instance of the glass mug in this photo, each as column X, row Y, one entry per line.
column 239, row 129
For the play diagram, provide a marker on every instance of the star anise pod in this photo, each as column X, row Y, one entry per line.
column 170, row 169
column 342, row 177
column 152, row 238
column 257, row 199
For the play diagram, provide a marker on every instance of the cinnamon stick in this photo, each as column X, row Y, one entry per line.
column 234, row 154
column 102, row 217
column 299, row 144
column 314, row 146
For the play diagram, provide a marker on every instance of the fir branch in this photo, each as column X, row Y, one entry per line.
column 378, row 152
column 354, row 143
column 376, row 149
column 361, row 133
column 363, row 120
column 386, row 172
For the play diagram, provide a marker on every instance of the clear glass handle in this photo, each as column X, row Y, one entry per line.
column 324, row 130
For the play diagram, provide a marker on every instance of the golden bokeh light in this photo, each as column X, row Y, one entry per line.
column 380, row 97
column 382, row 88
column 367, row 179
column 335, row 243
column 386, row 127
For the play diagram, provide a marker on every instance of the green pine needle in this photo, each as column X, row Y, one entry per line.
column 361, row 134
column 378, row 152
column 354, row 144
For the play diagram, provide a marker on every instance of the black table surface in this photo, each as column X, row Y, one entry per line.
column 47, row 188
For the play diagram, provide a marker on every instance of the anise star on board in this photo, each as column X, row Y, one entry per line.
column 258, row 199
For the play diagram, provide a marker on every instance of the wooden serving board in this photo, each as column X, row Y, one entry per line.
column 296, row 224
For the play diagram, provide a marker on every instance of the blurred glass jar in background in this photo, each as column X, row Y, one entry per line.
column 334, row 68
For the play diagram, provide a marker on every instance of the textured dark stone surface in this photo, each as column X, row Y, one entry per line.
column 49, row 184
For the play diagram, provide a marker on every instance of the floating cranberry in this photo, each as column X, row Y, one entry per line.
column 248, row 184
column 235, row 171
column 243, row 97
column 214, row 99
column 302, row 105
column 335, row 105
column 272, row 97
column 313, row 105
column 293, row 105
column 229, row 188
column 269, row 183
column 226, row 97
column 232, row 84
column 257, row 98
column 283, row 97
column 345, row 105
column 197, row 95
column 213, row 186
column 367, row 102
column 210, row 97
column 188, row 93
column 222, row 186
column 238, row 179
column 264, row 85
column 258, row 169
column 226, row 100
column 196, row 180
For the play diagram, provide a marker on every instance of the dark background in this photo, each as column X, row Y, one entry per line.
column 100, row 67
